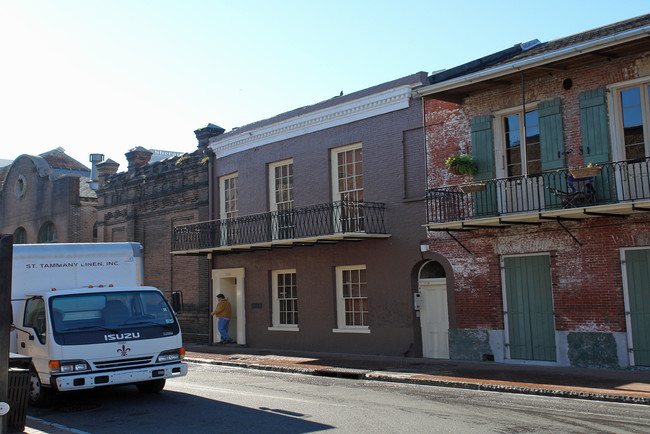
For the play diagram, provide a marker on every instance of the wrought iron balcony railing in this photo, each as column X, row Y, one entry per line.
column 342, row 218
column 615, row 182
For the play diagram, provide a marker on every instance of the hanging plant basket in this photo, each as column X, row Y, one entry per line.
column 585, row 172
column 472, row 188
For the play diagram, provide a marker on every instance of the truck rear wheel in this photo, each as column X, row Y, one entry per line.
column 153, row 386
column 39, row 395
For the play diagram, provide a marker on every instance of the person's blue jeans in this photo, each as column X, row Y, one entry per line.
column 222, row 326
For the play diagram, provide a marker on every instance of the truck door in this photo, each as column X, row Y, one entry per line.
column 35, row 322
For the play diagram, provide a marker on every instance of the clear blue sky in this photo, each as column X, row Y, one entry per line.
column 105, row 76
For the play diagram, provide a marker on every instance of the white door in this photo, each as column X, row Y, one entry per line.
column 230, row 283
column 434, row 318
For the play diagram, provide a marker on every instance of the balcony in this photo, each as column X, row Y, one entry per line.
column 316, row 224
column 620, row 189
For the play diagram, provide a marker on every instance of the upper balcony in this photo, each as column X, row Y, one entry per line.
column 324, row 223
column 610, row 189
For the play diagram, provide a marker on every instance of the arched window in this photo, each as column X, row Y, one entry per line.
column 47, row 234
column 95, row 232
column 20, row 236
column 432, row 270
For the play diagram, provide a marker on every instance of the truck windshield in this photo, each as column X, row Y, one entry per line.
column 100, row 317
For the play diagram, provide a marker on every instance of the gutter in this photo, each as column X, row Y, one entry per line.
column 532, row 62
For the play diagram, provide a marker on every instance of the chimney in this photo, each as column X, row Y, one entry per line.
column 94, row 159
column 137, row 157
column 204, row 134
column 106, row 169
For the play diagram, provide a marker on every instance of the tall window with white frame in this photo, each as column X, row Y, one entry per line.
column 631, row 114
column 348, row 187
column 229, row 206
column 281, row 197
column 285, row 299
column 522, row 151
column 635, row 117
column 352, row 296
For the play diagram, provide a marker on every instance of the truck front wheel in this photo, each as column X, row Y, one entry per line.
column 39, row 395
column 153, row 386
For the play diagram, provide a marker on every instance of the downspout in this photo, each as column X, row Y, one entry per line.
column 211, row 160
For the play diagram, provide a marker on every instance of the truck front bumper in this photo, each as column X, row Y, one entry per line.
column 111, row 378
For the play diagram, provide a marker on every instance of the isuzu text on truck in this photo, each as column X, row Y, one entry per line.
column 81, row 314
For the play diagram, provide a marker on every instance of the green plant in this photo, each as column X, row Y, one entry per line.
column 461, row 164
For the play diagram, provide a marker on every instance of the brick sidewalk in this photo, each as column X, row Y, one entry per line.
column 628, row 386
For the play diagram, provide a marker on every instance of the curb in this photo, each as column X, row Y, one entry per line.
column 430, row 380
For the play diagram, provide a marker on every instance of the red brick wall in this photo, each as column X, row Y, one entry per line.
column 587, row 282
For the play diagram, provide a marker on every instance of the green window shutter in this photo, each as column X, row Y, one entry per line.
column 550, row 134
column 595, row 128
column 483, row 152
column 483, row 147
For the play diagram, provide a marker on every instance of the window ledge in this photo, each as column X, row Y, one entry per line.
column 284, row 329
column 352, row 330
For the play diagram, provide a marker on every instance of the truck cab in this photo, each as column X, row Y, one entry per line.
column 81, row 337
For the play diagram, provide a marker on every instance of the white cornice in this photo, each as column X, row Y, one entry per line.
column 362, row 108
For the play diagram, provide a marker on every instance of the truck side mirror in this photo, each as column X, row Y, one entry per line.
column 177, row 301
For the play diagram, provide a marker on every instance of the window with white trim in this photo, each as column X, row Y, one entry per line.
column 521, row 152
column 347, row 187
column 352, row 298
column 347, row 168
column 281, row 199
column 229, row 196
column 229, row 209
column 285, row 299
column 632, row 107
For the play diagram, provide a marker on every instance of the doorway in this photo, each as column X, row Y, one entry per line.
column 528, row 307
column 434, row 312
column 230, row 283
column 636, row 290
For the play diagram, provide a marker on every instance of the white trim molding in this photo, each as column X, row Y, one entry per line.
column 377, row 104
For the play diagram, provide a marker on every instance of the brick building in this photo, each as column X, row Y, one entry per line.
column 144, row 203
column 47, row 198
column 543, row 263
column 316, row 222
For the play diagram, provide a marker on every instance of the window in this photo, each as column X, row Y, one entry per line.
column 347, row 177
column 285, row 299
column 281, row 198
column 20, row 236
column 629, row 110
column 229, row 197
column 521, row 151
column 47, row 233
column 352, row 299
column 35, row 317
column 281, row 183
column 633, row 105
column 229, row 209
column 20, row 186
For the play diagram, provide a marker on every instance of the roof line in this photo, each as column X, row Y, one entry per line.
column 532, row 62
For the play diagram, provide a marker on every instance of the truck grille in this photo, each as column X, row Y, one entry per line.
column 123, row 363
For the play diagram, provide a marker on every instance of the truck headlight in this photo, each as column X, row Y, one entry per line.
column 68, row 366
column 171, row 356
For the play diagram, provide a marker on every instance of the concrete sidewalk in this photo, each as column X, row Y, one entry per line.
column 627, row 386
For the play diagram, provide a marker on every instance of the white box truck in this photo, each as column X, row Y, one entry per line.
column 82, row 314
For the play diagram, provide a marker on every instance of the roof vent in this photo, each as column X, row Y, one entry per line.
column 525, row 46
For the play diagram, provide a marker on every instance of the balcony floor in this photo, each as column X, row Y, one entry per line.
column 283, row 244
column 620, row 209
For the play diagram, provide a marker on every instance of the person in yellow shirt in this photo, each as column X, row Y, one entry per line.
column 223, row 313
